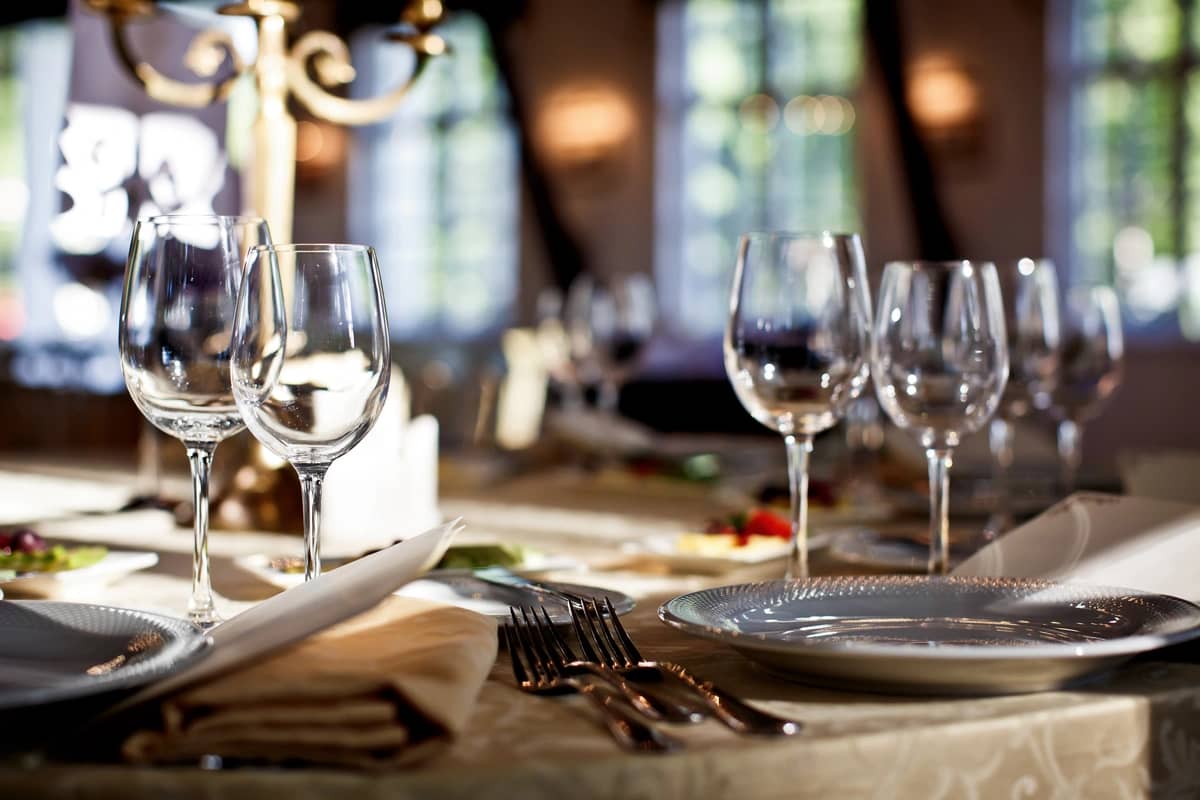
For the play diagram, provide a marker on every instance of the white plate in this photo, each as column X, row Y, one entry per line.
column 46, row 649
column 664, row 549
column 260, row 566
column 932, row 635
column 108, row 569
column 459, row 588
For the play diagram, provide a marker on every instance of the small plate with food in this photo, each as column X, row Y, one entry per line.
column 287, row 571
column 32, row 567
column 754, row 537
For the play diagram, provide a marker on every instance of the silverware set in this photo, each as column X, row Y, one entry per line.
column 632, row 694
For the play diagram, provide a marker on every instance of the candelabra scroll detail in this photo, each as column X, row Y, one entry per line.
column 205, row 54
column 330, row 59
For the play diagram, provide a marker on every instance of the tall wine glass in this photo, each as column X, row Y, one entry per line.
column 939, row 359
column 1030, row 293
column 311, row 360
column 610, row 322
column 177, row 310
column 796, row 345
column 1090, row 367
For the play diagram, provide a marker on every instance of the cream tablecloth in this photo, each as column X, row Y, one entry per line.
column 1134, row 734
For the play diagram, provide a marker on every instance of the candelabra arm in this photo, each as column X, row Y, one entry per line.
column 204, row 56
column 331, row 61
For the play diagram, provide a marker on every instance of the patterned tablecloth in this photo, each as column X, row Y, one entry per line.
column 1135, row 733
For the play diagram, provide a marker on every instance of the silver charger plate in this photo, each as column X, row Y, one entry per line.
column 46, row 649
column 915, row 634
column 460, row 588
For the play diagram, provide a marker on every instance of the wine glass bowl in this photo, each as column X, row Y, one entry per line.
column 175, row 332
column 1030, row 293
column 939, row 361
column 796, row 345
column 311, row 359
column 609, row 324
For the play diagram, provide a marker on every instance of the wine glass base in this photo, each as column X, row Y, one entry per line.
column 204, row 618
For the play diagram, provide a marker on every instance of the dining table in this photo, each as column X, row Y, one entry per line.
column 1132, row 732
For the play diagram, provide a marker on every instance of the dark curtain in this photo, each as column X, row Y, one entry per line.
column 885, row 40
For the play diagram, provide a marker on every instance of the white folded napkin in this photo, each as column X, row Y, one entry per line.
column 309, row 608
column 1132, row 542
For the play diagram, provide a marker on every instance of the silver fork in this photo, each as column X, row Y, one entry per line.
column 602, row 628
column 536, row 673
column 651, row 704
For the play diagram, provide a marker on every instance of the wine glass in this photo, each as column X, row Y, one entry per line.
column 311, row 360
column 609, row 323
column 176, row 324
column 939, row 359
column 1090, row 367
column 555, row 348
column 796, row 345
column 1030, row 294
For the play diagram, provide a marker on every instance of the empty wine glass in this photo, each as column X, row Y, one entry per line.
column 311, row 360
column 609, row 323
column 176, row 324
column 796, row 345
column 939, row 359
column 1030, row 293
column 555, row 348
column 1090, row 366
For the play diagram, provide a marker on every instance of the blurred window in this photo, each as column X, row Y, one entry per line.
column 435, row 187
column 756, row 131
column 1132, row 84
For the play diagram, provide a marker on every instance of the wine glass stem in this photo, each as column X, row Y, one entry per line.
column 608, row 396
column 1069, row 434
column 201, row 610
column 939, row 510
column 798, row 450
column 312, row 479
column 1000, row 436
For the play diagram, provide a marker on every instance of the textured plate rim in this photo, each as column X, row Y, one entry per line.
column 196, row 645
column 1120, row 646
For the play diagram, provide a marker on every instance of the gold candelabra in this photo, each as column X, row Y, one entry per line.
column 268, row 181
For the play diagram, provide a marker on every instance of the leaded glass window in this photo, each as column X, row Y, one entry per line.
column 756, row 131
column 435, row 188
column 1134, row 155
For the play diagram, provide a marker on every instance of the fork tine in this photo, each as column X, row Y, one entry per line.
column 548, row 661
column 510, row 641
column 584, row 640
column 556, row 637
column 608, row 657
column 521, row 634
column 630, row 647
column 619, row 657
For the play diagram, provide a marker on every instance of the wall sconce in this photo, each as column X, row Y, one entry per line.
column 945, row 101
column 582, row 126
column 320, row 148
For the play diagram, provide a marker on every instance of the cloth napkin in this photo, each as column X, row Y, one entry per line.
column 384, row 689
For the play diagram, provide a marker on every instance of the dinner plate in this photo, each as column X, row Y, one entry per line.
column 935, row 635
column 47, row 649
column 665, row 550
column 461, row 588
column 868, row 548
column 114, row 565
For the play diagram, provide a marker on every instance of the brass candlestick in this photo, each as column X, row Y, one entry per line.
column 268, row 182
column 260, row 493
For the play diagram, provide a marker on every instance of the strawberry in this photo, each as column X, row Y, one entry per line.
column 765, row 523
